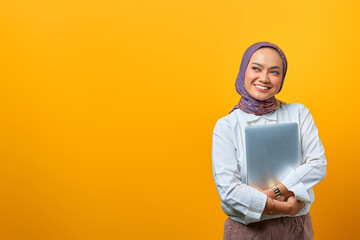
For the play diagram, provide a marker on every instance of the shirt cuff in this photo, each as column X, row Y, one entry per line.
column 256, row 207
column 292, row 183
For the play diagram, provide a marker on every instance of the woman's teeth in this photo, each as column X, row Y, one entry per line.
column 261, row 87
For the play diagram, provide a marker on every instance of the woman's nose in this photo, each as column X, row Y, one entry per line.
column 264, row 78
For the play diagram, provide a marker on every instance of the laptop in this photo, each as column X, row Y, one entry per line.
column 272, row 151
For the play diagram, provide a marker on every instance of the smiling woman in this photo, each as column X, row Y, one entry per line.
column 282, row 210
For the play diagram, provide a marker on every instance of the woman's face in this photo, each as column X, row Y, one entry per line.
column 263, row 75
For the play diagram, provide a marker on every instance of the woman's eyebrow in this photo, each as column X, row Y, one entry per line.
column 274, row 67
column 263, row 66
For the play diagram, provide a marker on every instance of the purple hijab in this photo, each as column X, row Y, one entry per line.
column 247, row 103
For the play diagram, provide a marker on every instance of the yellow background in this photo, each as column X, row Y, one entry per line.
column 108, row 107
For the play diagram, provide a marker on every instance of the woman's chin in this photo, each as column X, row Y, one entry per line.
column 262, row 97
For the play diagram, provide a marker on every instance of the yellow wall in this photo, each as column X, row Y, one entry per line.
column 108, row 107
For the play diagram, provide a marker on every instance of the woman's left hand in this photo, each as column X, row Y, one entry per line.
column 269, row 192
column 258, row 188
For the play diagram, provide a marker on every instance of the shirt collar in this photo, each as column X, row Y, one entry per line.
column 252, row 117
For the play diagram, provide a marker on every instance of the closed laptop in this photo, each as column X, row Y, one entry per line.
column 271, row 152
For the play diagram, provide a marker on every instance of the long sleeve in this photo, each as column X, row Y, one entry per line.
column 233, row 193
column 313, row 168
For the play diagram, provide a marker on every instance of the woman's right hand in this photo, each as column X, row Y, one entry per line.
column 294, row 206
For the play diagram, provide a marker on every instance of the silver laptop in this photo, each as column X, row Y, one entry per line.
column 271, row 152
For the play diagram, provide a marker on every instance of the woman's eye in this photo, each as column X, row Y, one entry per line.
column 256, row 68
column 274, row 72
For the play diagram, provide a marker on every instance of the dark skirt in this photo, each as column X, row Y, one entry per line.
column 283, row 228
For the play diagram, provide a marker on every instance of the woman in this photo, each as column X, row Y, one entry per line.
column 282, row 211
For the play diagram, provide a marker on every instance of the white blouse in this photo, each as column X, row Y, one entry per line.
column 243, row 203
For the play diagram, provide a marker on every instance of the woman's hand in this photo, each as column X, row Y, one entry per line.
column 294, row 206
column 291, row 207
column 258, row 188
column 269, row 192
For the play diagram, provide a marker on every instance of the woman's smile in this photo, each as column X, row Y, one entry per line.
column 262, row 88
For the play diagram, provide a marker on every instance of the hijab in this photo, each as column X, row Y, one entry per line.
column 247, row 103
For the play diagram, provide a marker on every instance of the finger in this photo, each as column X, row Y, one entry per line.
column 291, row 199
column 282, row 198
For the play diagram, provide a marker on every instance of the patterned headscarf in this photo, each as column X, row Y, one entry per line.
column 247, row 103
